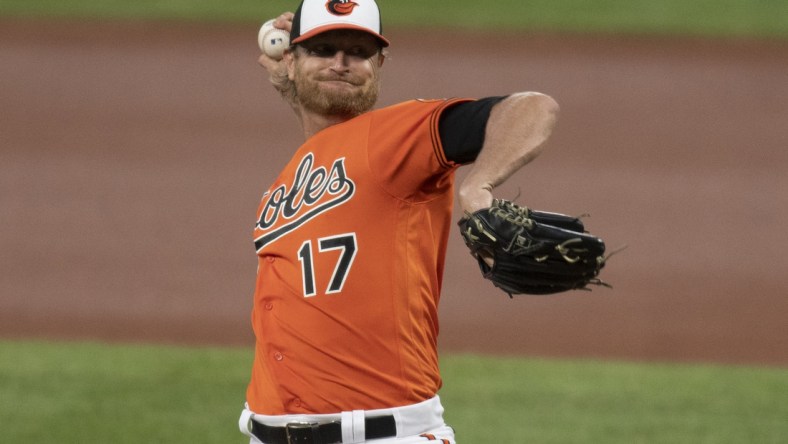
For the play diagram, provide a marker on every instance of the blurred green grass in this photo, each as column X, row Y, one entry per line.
column 91, row 392
column 737, row 18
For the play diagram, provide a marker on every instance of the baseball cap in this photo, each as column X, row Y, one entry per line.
column 314, row 17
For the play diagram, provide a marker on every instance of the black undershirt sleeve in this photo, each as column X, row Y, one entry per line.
column 462, row 128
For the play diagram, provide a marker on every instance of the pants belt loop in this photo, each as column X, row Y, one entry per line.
column 245, row 422
column 347, row 427
column 359, row 426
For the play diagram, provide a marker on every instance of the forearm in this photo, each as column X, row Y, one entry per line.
column 516, row 133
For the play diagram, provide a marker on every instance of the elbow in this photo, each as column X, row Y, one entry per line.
column 542, row 108
column 537, row 115
column 550, row 108
column 550, row 111
column 532, row 114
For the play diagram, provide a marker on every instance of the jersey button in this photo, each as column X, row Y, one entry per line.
column 297, row 402
column 270, row 259
column 278, row 356
column 268, row 306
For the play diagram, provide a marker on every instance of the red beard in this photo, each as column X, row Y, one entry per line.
column 329, row 101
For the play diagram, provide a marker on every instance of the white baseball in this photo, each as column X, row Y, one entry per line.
column 267, row 26
column 274, row 42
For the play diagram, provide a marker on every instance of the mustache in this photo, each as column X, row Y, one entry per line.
column 347, row 78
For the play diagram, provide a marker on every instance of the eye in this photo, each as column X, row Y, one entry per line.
column 360, row 52
column 322, row 50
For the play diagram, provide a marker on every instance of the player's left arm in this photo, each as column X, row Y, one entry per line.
column 516, row 132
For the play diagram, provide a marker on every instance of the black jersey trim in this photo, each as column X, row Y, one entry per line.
column 462, row 128
column 435, row 134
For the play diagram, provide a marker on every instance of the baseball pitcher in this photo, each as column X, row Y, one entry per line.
column 351, row 236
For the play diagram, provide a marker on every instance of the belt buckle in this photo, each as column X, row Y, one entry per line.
column 302, row 433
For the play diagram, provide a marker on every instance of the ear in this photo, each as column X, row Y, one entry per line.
column 381, row 59
column 289, row 58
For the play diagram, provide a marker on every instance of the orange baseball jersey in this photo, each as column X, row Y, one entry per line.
column 351, row 241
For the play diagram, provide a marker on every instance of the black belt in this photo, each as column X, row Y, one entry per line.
column 314, row 433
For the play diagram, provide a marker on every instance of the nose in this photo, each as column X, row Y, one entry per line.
column 339, row 62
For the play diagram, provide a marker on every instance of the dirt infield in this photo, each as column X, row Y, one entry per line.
column 133, row 157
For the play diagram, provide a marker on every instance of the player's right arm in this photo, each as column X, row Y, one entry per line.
column 277, row 69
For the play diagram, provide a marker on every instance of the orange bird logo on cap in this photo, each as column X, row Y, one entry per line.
column 341, row 7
